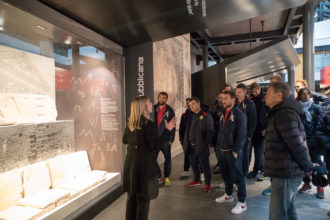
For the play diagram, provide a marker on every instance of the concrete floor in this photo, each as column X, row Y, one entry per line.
column 179, row 202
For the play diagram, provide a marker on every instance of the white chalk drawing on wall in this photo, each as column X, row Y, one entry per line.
column 86, row 133
column 103, row 137
column 81, row 94
column 92, row 107
column 112, row 147
column 105, row 83
column 77, row 108
column 76, row 81
column 89, row 78
column 93, row 122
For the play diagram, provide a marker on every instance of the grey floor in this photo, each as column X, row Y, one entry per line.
column 179, row 202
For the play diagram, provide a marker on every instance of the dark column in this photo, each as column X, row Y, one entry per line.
column 308, row 45
column 291, row 79
column 205, row 56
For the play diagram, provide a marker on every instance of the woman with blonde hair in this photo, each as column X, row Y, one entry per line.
column 140, row 178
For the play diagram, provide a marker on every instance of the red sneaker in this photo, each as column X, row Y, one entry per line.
column 161, row 180
column 194, row 183
column 207, row 188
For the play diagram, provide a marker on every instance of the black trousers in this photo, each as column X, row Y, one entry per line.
column 186, row 163
column 198, row 163
column 217, row 154
column 246, row 157
column 258, row 143
column 231, row 171
column 166, row 150
column 314, row 158
column 137, row 208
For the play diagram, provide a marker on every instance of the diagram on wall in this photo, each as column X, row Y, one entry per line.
column 26, row 73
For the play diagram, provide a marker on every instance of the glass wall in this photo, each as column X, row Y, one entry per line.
column 87, row 84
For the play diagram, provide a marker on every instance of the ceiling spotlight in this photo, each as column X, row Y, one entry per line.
column 68, row 40
column 41, row 27
column 78, row 42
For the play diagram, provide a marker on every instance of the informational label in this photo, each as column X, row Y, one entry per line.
column 108, row 106
column 109, row 122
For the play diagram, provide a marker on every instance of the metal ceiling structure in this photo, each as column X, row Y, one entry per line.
column 261, row 62
column 232, row 39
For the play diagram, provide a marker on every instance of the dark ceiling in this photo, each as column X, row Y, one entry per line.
column 128, row 22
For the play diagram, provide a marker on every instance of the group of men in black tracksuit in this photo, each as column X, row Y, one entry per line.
column 233, row 132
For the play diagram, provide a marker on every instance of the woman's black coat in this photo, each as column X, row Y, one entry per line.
column 140, row 170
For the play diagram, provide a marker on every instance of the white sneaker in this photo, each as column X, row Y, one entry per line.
column 222, row 186
column 202, row 177
column 184, row 174
column 225, row 198
column 239, row 208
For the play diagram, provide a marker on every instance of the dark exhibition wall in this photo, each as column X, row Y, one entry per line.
column 138, row 73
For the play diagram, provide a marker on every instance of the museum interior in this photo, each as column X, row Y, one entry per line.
column 70, row 69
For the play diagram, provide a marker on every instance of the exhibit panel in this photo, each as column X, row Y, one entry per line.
column 89, row 91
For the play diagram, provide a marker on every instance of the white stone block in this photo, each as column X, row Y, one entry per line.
column 18, row 108
column 36, row 178
column 11, row 188
column 44, row 199
column 65, row 168
column 20, row 213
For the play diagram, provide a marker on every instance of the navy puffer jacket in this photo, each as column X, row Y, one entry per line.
column 311, row 126
column 286, row 154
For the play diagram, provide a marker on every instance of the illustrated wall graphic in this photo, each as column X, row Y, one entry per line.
column 96, row 107
column 171, row 65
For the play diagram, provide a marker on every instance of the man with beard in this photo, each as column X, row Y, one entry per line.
column 183, row 125
column 231, row 140
column 248, row 107
column 258, row 139
column 164, row 112
column 216, row 112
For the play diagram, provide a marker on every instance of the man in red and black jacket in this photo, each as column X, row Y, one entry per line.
column 164, row 112
column 197, row 140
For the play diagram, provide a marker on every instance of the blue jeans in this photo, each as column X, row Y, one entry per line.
column 283, row 199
